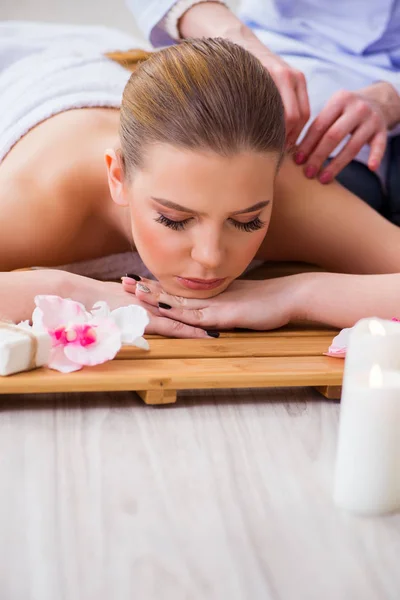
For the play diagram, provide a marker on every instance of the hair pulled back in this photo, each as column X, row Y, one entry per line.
column 202, row 94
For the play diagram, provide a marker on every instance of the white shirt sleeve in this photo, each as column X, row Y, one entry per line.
column 149, row 15
column 158, row 19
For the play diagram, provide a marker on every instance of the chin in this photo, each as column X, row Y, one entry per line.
column 175, row 289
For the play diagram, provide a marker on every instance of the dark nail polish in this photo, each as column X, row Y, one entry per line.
column 133, row 276
column 163, row 305
column 214, row 334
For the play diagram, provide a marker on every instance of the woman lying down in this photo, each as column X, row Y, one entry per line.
column 182, row 160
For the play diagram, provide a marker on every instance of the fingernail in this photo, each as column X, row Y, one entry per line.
column 299, row 158
column 326, row 177
column 213, row 334
column 133, row 276
column 143, row 288
column 163, row 305
column 311, row 172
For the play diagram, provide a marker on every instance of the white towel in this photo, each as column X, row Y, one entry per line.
column 110, row 267
column 115, row 266
column 46, row 69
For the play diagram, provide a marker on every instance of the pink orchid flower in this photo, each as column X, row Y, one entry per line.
column 338, row 348
column 81, row 338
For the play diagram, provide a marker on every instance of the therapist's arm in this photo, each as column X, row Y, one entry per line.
column 212, row 19
column 149, row 16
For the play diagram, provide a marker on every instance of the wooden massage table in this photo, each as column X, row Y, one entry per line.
column 288, row 357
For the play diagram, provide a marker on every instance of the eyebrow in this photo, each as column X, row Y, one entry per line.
column 174, row 206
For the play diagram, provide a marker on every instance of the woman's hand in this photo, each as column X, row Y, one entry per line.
column 262, row 305
column 365, row 116
column 88, row 291
column 209, row 19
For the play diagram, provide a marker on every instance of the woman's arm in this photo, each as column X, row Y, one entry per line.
column 328, row 226
column 19, row 288
column 328, row 298
column 341, row 300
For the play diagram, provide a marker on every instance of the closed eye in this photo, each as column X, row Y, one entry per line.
column 176, row 225
column 253, row 225
column 250, row 226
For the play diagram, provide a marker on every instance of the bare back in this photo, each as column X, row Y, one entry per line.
column 55, row 205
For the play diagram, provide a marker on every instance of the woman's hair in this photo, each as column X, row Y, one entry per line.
column 207, row 94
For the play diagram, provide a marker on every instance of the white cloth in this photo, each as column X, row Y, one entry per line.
column 47, row 68
column 109, row 267
column 114, row 266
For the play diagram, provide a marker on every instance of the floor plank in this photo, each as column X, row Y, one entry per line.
column 224, row 495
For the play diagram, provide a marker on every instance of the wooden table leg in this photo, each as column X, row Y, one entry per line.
column 158, row 396
column 332, row 392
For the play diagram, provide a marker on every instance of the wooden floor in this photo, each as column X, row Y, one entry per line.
column 224, row 495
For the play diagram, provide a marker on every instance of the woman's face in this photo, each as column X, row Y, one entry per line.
column 198, row 218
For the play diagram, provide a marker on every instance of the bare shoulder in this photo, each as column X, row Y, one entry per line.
column 35, row 222
column 326, row 225
column 48, row 185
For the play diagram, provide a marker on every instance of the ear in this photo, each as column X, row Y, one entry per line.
column 115, row 174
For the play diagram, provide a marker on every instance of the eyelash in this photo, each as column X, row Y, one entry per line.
column 253, row 225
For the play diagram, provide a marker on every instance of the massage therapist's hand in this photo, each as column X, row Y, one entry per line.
column 365, row 115
column 209, row 19
column 261, row 305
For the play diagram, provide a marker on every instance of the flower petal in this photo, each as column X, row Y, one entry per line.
column 60, row 362
column 100, row 310
column 338, row 348
column 24, row 325
column 58, row 311
column 105, row 348
column 142, row 343
column 132, row 321
column 37, row 320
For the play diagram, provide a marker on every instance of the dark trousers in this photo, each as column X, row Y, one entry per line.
column 357, row 178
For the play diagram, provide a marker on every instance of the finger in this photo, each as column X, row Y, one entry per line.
column 128, row 284
column 176, row 329
column 361, row 136
column 378, row 147
column 303, row 104
column 129, row 281
column 317, row 130
column 209, row 317
column 198, row 316
column 289, row 98
column 152, row 293
column 346, row 124
column 146, row 293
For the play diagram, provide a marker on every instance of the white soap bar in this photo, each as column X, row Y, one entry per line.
column 16, row 349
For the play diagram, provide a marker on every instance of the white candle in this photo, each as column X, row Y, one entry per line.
column 372, row 341
column 367, row 478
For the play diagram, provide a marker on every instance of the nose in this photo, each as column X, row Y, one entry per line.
column 207, row 251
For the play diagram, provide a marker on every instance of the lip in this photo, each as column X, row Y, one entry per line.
column 200, row 284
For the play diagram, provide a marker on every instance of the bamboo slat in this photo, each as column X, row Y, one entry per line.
column 301, row 330
column 230, row 347
column 175, row 374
